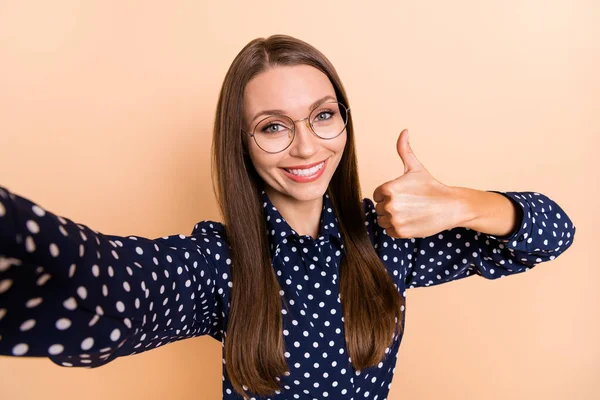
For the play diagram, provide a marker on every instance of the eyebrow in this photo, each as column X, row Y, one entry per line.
column 282, row 112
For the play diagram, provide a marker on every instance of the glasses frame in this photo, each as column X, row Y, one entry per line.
column 308, row 124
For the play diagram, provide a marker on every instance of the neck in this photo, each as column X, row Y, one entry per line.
column 302, row 216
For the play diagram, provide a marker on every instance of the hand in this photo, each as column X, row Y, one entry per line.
column 415, row 204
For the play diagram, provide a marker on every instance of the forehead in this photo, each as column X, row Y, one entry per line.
column 290, row 88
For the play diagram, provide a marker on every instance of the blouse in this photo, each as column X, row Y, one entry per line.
column 83, row 298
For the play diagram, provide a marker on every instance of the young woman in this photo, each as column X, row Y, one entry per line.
column 305, row 281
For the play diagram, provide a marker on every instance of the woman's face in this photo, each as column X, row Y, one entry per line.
column 292, row 89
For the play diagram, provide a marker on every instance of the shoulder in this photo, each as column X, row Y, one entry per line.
column 371, row 220
column 209, row 228
column 208, row 237
column 368, row 206
column 207, row 233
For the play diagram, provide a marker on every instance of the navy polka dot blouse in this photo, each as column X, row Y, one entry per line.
column 83, row 298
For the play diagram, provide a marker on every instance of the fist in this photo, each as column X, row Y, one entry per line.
column 415, row 204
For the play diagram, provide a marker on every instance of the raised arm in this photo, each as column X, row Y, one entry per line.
column 84, row 298
column 543, row 233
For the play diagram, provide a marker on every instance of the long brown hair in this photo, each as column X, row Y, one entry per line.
column 371, row 303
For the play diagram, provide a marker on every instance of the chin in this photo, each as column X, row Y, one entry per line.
column 307, row 195
column 301, row 192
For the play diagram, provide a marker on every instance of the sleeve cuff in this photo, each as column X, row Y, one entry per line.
column 523, row 230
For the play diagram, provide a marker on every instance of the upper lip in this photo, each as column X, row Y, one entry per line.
column 304, row 166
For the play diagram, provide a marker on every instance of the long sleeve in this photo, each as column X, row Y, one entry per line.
column 544, row 232
column 83, row 298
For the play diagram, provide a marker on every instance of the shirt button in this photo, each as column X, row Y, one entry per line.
column 521, row 238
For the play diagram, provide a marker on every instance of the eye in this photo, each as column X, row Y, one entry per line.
column 325, row 112
column 266, row 128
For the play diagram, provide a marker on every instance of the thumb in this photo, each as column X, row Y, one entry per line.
column 408, row 157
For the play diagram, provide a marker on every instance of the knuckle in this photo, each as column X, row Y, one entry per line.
column 385, row 189
column 401, row 232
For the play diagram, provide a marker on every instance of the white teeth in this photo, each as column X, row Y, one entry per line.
column 306, row 172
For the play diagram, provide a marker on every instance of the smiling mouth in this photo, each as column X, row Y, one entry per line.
column 306, row 171
column 307, row 166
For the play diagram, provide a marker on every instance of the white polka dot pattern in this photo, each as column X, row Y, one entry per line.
column 83, row 298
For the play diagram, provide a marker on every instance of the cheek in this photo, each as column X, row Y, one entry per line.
column 340, row 144
column 261, row 160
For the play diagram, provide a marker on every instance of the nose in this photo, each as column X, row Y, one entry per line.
column 305, row 143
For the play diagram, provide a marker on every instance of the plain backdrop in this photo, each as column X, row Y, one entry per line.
column 106, row 114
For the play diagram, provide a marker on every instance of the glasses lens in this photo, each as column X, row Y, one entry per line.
column 274, row 133
column 329, row 119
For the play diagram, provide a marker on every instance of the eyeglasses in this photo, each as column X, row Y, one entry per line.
column 275, row 133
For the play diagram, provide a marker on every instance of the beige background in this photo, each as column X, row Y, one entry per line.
column 106, row 112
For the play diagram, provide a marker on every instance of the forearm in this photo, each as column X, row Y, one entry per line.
column 487, row 212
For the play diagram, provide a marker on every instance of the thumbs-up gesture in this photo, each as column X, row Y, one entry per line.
column 415, row 204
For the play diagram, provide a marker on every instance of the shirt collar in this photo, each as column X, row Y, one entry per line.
column 279, row 230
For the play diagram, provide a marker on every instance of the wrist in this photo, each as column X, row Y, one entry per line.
column 488, row 212
column 468, row 203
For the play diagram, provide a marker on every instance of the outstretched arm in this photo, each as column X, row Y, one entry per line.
column 83, row 298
